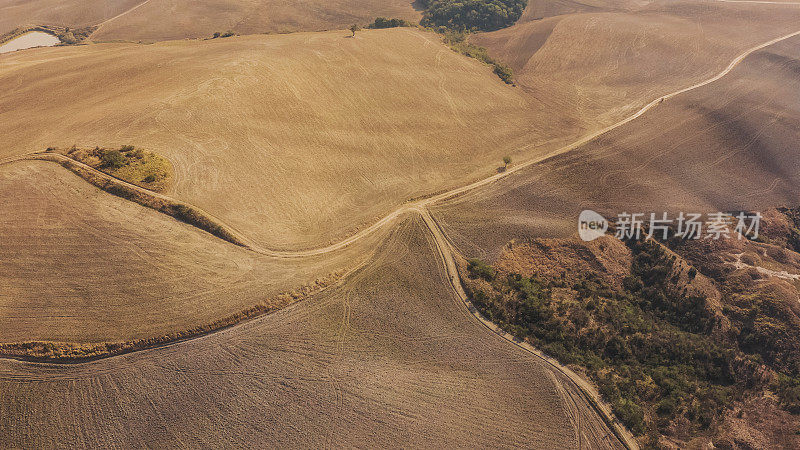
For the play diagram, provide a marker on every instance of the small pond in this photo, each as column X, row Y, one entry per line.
column 30, row 40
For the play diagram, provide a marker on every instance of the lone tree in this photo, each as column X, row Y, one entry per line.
column 506, row 162
column 354, row 28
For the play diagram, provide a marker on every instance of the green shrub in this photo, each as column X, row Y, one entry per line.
column 788, row 391
column 457, row 41
column 479, row 269
column 504, row 72
column 631, row 415
column 113, row 159
column 382, row 22
column 68, row 38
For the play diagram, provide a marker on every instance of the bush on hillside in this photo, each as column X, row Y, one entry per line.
column 113, row 159
column 479, row 269
column 457, row 41
column 504, row 72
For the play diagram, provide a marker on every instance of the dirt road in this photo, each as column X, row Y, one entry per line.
column 425, row 202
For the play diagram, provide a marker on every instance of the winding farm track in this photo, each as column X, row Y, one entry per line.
column 448, row 254
column 416, row 205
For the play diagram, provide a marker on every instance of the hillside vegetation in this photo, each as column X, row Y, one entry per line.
column 134, row 165
column 472, row 15
column 675, row 336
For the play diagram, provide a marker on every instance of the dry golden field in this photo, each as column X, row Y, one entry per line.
column 726, row 146
column 389, row 359
column 193, row 19
column 295, row 140
column 298, row 141
column 81, row 265
column 155, row 20
column 71, row 13
column 596, row 67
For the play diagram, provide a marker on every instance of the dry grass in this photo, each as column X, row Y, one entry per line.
column 724, row 147
column 296, row 141
column 199, row 19
column 181, row 211
column 595, row 67
column 61, row 13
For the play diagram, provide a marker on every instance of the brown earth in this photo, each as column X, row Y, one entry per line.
column 248, row 121
column 81, row 265
column 295, row 140
column 155, row 20
column 69, row 13
column 249, row 126
column 390, row 358
column 600, row 64
column 726, row 146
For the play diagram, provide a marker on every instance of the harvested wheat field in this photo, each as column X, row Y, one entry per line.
column 596, row 67
column 389, row 359
column 276, row 254
column 294, row 140
column 145, row 20
column 70, row 13
column 300, row 140
column 199, row 19
column 727, row 146
column 80, row 265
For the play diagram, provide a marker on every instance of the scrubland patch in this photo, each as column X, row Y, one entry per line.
column 134, row 165
column 673, row 334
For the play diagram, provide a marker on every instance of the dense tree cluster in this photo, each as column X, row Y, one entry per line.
column 472, row 15
column 382, row 22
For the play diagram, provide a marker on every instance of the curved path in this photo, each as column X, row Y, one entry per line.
column 449, row 254
column 427, row 201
